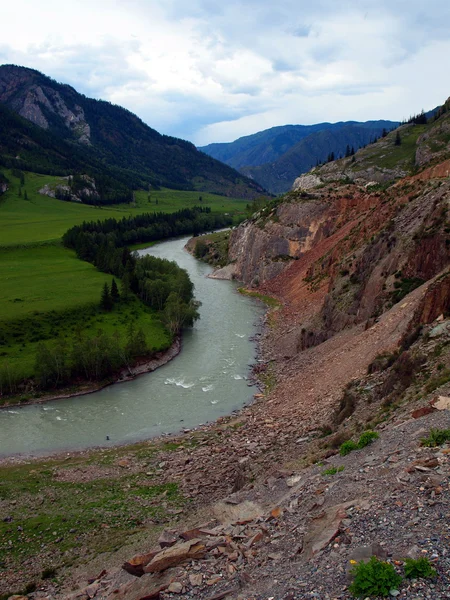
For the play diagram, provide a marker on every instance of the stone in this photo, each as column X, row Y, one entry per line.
column 170, row 557
column 422, row 412
column 254, row 539
column 441, row 403
column 167, row 539
column 291, row 481
column 175, row 588
column 135, row 566
column 196, row 580
column 147, row 587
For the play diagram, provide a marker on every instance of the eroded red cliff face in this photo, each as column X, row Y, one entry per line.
column 342, row 253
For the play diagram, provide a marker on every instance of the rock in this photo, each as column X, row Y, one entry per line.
column 441, row 403
column 170, row 557
column 291, row 481
column 135, row 566
column 167, row 539
column 196, row 580
column 421, row 412
column 364, row 553
column 175, row 588
column 148, row 587
column 276, row 512
column 254, row 539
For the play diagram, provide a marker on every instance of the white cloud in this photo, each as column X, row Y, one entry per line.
column 214, row 71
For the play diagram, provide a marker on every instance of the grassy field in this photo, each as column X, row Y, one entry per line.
column 46, row 278
column 46, row 292
column 44, row 219
column 63, row 513
column 20, row 338
column 389, row 155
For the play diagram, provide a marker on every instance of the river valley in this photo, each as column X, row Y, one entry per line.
column 207, row 380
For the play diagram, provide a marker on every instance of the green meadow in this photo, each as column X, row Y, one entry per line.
column 41, row 219
column 46, row 292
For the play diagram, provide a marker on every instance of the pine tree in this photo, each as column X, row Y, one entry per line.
column 25, row 195
column 106, row 301
column 398, row 139
column 115, row 295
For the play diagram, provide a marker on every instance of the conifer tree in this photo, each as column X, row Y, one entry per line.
column 398, row 139
column 115, row 295
column 106, row 301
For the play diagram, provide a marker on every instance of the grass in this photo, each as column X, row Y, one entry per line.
column 59, row 512
column 333, row 470
column 46, row 278
column 45, row 219
column 389, row 155
column 46, row 291
column 20, row 338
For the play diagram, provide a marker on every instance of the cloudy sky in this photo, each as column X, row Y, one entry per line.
column 212, row 71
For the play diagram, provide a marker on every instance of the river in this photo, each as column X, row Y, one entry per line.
column 205, row 381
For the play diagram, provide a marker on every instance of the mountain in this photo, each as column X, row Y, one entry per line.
column 276, row 156
column 94, row 134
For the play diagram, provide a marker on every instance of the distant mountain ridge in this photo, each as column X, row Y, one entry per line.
column 276, row 156
column 107, row 135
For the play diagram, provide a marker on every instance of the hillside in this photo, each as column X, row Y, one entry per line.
column 72, row 133
column 276, row 156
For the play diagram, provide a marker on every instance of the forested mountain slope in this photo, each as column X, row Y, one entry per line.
column 276, row 156
column 98, row 133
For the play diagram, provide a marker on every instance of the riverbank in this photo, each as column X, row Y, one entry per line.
column 141, row 367
column 269, row 456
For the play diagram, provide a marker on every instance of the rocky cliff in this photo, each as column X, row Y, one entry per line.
column 355, row 236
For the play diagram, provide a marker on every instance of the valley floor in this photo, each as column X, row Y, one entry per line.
column 277, row 525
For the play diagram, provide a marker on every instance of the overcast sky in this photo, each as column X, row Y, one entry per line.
column 212, row 71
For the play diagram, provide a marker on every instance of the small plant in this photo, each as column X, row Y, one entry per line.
column 333, row 470
column 347, row 447
column 367, row 438
column 420, row 568
column 437, row 437
column 374, row 578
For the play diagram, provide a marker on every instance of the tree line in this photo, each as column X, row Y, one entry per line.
column 94, row 241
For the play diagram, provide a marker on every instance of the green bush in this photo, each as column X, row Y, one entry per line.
column 347, row 447
column 374, row 578
column 414, row 569
column 333, row 470
column 367, row 438
column 437, row 437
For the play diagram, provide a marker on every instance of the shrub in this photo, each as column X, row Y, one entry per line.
column 367, row 438
column 437, row 437
column 333, row 470
column 347, row 447
column 374, row 578
column 414, row 569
